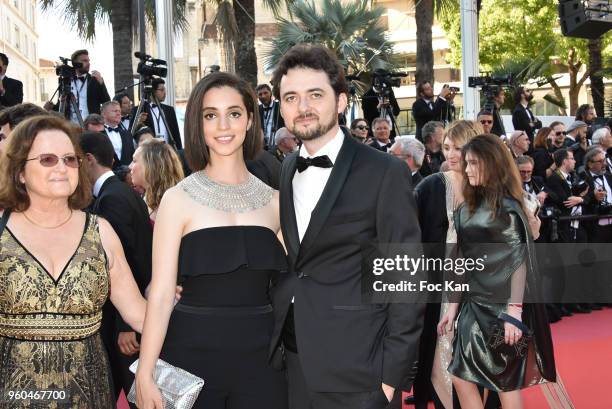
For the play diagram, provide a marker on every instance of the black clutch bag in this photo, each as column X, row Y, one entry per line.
column 497, row 340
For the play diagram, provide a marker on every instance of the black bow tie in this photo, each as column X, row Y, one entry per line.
column 319, row 161
column 267, row 108
column 598, row 177
column 153, row 105
column 83, row 78
column 117, row 129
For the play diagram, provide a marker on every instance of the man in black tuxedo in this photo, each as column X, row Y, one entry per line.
column 531, row 184
column 340, row 352
column 371, row 105
column 425, row 109
column 152, row 118
column 126, row 109
column 122, row 141
column 269, row 113
column 382, row 135
column 128, row 215
column 412, row 152
column 522, row 117
column 600, row 194
column 499, row 98
column 11, row 90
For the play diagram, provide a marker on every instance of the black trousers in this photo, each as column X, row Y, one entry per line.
column 300, row 397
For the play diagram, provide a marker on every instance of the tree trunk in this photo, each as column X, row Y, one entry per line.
column 121, row 21
column 597, row 84
column 423, row 16
column 245, row 57
column 558, row 94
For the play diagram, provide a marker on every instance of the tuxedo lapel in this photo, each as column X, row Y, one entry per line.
column 287, row 208
column 332, row 189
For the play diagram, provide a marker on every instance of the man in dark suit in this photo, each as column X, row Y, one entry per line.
column 600, row 194
column 122, row 141
column 11, row 90
column 382, row 135
column 340, row 351
column 425, row 109
column 126, row 109
column 129, row 217
column 153, row 118
column 412, row 152
column 522, row 117
column 12, row 116
column 269, row 113
column 371, row 104
column 499, row 98
column 531, row 184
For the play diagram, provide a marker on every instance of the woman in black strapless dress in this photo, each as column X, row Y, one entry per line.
column 216, row 234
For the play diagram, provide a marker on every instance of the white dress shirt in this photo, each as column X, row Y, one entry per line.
column 79, row 89
column 308, row 185
column 100, row 181
column 158, row 123
column 115, row 139
column 603, row 184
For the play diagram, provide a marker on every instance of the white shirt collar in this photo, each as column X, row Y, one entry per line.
column 2, row 77
column 100, row 181
column 331, row 148
column 565, row 175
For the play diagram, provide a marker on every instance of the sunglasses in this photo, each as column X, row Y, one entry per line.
column 48, row 160
column 362, row 127
column 486, row 121
column 559, row 133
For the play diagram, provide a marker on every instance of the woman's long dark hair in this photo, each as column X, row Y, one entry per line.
column 499, row 175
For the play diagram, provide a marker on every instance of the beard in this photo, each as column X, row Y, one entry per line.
column 319, row 130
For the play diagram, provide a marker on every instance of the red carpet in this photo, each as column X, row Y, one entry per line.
column 583, row 354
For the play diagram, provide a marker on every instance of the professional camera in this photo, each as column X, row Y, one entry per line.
column 383, row 81
column 149, row 66
column 65, row 70
column 549, row 212
column 491, row 84
column 579, row 187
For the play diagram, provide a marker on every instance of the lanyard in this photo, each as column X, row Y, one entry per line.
column 157, row 118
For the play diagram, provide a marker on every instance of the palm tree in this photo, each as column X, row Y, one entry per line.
column 352, row 30
column 423, row 16
column 83, row 14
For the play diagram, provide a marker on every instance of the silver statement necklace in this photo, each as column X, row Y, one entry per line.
column 250, row 195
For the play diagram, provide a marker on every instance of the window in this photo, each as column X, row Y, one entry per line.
column 17, row 38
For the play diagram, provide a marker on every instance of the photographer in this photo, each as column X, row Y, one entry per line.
column 424, row 109
column 586, row 113
column 486, row 120
column 11, row 90
column 378, row 96
column 577, row 142
column 568, row 194
column 88, row 89
column 433, row 135
column 603, row 139
column 498, row 99
column 522, row 117
column 600, row 195
column 126, row 109
column 153, row 118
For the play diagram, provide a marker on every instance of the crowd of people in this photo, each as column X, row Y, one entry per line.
column 260, row 217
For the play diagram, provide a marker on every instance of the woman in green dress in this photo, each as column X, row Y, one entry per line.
column 490, row 348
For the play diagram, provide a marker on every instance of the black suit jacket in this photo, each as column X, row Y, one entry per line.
column 277, row 119
column 96, row 96
column 128, row 215
column 13, row 92
column 423, row 114
column 127, row 149
column 374, row 144
column 344, row 345
column 521, row 120
column 170, row 114
column 416, row 179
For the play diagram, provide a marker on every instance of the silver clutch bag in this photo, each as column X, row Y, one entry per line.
column 179, row 388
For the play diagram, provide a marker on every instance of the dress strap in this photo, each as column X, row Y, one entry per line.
column 4, row 220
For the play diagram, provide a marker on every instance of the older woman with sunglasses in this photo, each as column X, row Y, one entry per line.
column 58, row 265
column 359, row 129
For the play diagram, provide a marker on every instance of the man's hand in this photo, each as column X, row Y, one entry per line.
column 542, row 197
column 97, row 76
column 573, row 201
column 389, row 391
column 142, row 118
column 128, row 345
column 445, row 92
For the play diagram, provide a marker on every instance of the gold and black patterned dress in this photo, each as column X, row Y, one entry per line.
column 49, row 328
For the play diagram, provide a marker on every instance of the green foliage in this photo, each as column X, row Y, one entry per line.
column 516, row 30
column 83, row 14
column 351, row 29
